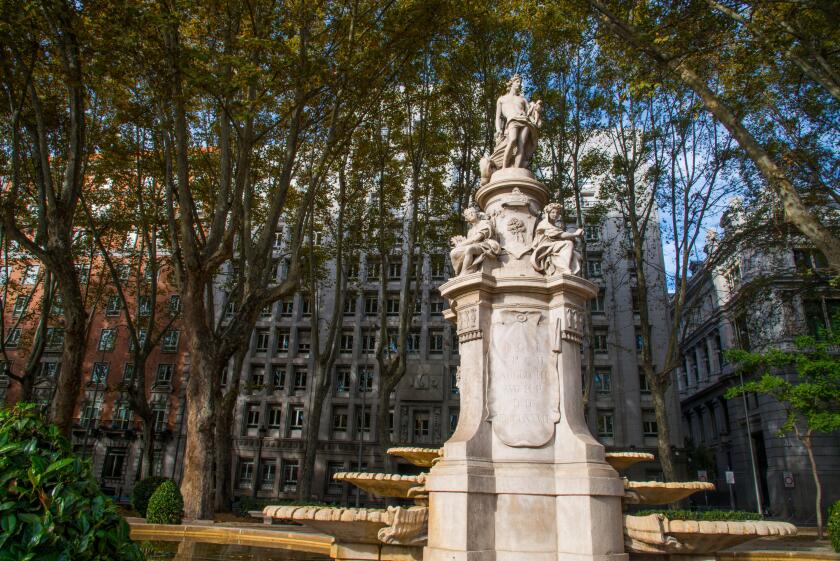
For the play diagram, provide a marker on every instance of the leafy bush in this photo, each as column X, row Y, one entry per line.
column 707, row 515
column 166, row 505
column 143, row 492
column 834, row 526
column 51, row 507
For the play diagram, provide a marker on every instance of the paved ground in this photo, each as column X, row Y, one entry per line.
column 804, row 545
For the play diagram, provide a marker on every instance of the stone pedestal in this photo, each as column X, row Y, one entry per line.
column 522, row 478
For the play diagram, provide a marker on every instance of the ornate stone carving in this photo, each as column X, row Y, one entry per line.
column 468, row 329
column 554, row 247
column 573, row 318
column 408, row 526
column 523, row 392
column 468, row 252
column 517, row 130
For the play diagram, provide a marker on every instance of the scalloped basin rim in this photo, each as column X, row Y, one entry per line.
column 623, row 460
column 422, row 457
column 657, row 534
column 381, row 484
column 658, row 492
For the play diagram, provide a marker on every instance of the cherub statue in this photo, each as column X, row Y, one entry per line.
column 468, row 253
column 554, row 247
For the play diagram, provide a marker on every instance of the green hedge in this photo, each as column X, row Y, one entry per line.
column 143, row 492
column 51, row 507
column 834, row 526
column 166, row 505
column 707, row 515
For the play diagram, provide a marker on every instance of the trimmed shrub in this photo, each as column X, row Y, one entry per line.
column 51, row 507
column 834, row 526
column 707, row 515
column 143, row 492
column 166, row 505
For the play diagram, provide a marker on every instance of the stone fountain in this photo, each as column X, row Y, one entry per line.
column 521, row 478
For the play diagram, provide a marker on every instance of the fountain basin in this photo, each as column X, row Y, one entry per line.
column 623, row 460
column 382, row 484
column 659, row 493
column 422, row 457
column 393, row 526
column 657, row 534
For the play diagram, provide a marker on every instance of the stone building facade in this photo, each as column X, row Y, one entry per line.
column 755, row 299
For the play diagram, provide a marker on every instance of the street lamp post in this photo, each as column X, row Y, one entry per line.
column 750, row 443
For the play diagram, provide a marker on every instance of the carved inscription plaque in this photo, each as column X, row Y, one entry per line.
column 523, row 393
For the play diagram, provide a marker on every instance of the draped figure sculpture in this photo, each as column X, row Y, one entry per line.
column 517, row 127
column 553, row 247
column 468, row 252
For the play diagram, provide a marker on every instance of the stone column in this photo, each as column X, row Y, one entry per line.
column 522, row 478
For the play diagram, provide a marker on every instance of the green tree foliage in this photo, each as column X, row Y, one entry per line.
column 834, row 526
column 143, row 491
column 166, row 504
column 806, row 382
column 51, row 508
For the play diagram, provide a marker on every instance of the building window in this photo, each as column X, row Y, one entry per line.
column 437, row 267
column 55, row 338
column 112, row 308
column 246, row 472
column 305, row 305
column 257, row 376
column 371, row 304
column 435, row 342
column 283, row 340
column 21, row 302
column 640, row 341
column 252, row 420
column 274, row 416
column 374, row 267
column 128, row 373
column 91, row 412
column 169, row 342
column 57, row 307
column 454, row 344
column 261, row 340
column 392, row 306
column 422, row 425
column 300, row 378
column 99, row 372
column 144, row 306
column 290, row 476
column 635, row 300
column 278, row 240
column 48, row 370
column 644, row 386
column 287, row 308
column 174, row 305
column 363, row 417
column 334, row 487
column 340, row 423
column 122, row 416
column 413, row 342
column 296, row 421
column 30, row 276
column 368, row 344
column 593, row 267
column 278, row 377
column 112, row 467
column 265, row 312
column 346, row 343
column 269, row 473
column 436, row 305
column 809, row 260
column 649, row 426
column 352, row 268
column 605, row 423
column 453, row 421
column 107, row 339
column 395, row 268
column 141, row 339
column 304, row 342
column 453, row 380
column 159, row 414
column 365, row 380
column 342, row 380
column 13, row 338
column 599, row 340
column 596, row 305
column 603, row 380
column 349, row 305
column 164, row 374
column 593, row 232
